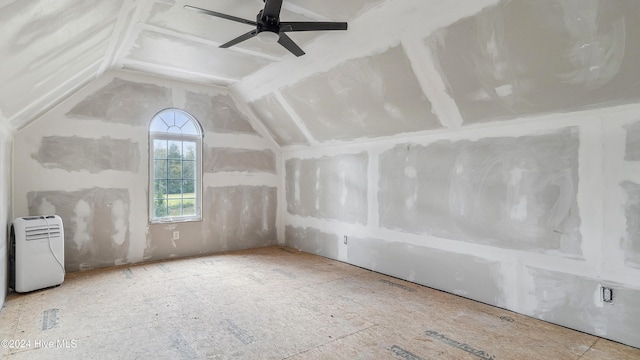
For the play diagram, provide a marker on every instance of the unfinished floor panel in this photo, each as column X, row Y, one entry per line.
column 274, row 303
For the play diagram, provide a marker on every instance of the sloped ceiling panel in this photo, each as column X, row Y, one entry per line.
column 45, row 45
column 365, row 97
column 123, row 102
column 170, row 51
column 278, row 121
column 337, row 9
column 526, row 57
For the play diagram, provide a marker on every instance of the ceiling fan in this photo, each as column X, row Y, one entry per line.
column 270, row 29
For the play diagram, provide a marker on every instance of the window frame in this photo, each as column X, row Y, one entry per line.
column 168, row 136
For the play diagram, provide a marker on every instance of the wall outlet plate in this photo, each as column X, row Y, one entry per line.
column 607, row 294
column 345, row 239
column 176, row 235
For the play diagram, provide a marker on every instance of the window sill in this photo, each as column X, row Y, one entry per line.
column 174, row 221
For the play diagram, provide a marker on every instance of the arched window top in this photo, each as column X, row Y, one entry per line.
column 174, row 121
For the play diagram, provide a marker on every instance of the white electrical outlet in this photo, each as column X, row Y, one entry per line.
column 176, row 235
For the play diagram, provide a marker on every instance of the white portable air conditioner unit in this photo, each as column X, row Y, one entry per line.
column 36, row 253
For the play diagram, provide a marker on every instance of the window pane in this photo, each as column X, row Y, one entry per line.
column 174, row 130
column 160, row 208
column 189, row 151
column 159, row 189
column 188, row 207
column 175, row 169
column 190, row 129
column 160, row 169
column 158, row 125
column 174, row 189
column 188, row 188
column 188, row 170
column 175, row 149
column 160, row 149
column 180, row 119
column 175, row 207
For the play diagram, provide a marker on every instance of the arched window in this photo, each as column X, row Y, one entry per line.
column 175, row 167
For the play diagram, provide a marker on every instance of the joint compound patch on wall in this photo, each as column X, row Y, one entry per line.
column 73, row 153
column 464, row 275
column 241, row 217
column 365, row 97
column 515, row 193
column 124, row 102
column 96, row 224
column 631, row 243
column 328, row 187
column 575, row 301
column 632, row 148
column 312, row 241
column 278, row 122
column 492, row 66
column 240, row 160
column 218, row 113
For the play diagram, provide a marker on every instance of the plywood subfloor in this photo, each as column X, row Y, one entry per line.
column 273, row 303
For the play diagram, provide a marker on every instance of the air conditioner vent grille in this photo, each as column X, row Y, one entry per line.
column 42, row 232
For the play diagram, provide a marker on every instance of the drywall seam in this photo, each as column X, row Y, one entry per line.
column 143, row 8
column 135, row 65
column 615, row 223
column 296, row 119
column 41, row 106
column 281, row 215
column 590, row 195
column 205, row 42
column 515, row 127
column 122, row 23
column 431, row 81
column 374, row 31
column 373, row 175
column 238, row 141
column 555, row 262
column 225, row 179
column 305, row 12
column 257, row 125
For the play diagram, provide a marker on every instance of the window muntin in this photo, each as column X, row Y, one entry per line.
column 175, row 143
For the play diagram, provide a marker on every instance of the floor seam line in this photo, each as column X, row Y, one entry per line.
column 330, row 342
column 586, row 351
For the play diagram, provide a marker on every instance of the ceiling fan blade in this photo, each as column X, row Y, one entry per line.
column 221, row 15
column 272, row 8
column 240, row 39
column 288, row 44
column 286, row 26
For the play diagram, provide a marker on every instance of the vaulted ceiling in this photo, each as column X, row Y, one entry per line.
column 403, row 65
